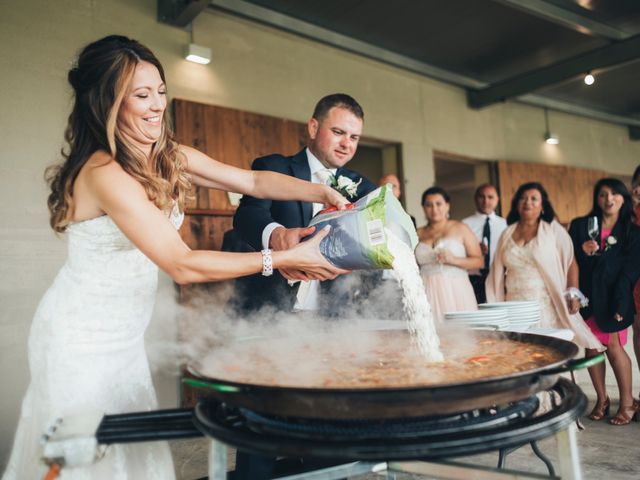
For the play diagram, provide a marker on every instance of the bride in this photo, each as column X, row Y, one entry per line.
column 119, row 196
column 447, row 250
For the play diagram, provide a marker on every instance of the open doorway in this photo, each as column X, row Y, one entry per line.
column 460, row 176
column 374, row 159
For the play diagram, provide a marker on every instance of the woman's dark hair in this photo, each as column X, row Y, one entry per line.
column 636, row 175
column 548, row 213
column 626, row 215
column 435, row 191
column 341, row 100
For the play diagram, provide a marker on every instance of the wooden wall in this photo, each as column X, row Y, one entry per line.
column 233, row 137
column 570, row 189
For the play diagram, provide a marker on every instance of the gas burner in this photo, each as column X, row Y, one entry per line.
column 348, row 430
column 468, row 433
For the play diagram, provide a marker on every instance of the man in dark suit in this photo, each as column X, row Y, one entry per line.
column 333, row 134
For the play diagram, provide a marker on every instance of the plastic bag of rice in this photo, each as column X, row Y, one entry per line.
column 358, row 236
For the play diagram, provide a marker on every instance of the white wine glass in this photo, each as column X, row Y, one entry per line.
column 593, row 231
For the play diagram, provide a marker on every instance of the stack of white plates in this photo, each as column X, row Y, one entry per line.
column 521, row 314
column 493, row 319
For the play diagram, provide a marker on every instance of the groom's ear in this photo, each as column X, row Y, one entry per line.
column 312, row 128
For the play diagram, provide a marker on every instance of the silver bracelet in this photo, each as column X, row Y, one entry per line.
column 573, row 292
column 267, row 262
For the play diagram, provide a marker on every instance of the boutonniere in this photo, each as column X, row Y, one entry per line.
column 610, row 242
column 344, row 185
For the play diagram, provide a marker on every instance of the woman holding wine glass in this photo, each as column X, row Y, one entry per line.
column 635, row 198
column 609, row 268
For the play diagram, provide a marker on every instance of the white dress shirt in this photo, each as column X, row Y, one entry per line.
column 496, row 225
column 308, row 293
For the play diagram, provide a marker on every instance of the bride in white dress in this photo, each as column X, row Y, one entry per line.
column 119, row 196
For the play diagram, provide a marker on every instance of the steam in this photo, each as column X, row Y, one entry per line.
column 187, row 333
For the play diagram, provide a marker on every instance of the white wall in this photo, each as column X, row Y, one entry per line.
column 254, row 68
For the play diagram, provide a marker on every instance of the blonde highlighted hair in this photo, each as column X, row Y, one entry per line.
column 100, row 82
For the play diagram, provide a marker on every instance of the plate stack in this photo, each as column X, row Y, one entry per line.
column 490, row 319
column 521, row 314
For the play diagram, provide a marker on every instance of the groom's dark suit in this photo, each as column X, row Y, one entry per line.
column 254, row 214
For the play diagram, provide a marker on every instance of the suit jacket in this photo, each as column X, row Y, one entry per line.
column 608, row 279
column 254, row 214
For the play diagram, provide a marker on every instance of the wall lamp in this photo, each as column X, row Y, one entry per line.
column 549, row 137
column 194, row 52
column 197, row 53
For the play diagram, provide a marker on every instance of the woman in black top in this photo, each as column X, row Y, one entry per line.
column 609, row 269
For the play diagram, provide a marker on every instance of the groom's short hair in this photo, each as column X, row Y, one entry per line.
column 341, row 100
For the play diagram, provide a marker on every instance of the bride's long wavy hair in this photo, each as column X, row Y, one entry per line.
column 100, row 81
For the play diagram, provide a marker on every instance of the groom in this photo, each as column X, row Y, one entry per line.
column 333, row 134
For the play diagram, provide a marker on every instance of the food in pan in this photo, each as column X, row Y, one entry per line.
column 373, row 360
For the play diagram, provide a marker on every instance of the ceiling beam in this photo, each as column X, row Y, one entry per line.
column 180, row 13
column 280, row 21
column 299, row 27
column 603, row 57
column 570, row 18
column 574, row 109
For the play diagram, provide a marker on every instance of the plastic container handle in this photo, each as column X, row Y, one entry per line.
column 348, row 206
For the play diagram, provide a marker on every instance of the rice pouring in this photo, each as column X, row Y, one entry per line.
column 376, row 233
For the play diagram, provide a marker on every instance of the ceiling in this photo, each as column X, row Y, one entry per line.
column 532, row 51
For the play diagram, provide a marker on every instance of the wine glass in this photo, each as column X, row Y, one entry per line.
column 593, row 231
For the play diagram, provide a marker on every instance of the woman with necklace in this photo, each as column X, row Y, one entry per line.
column 609, row 268
column 447, row 250
column 534, row 261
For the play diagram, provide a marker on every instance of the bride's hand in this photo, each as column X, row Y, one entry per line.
column 306, row 257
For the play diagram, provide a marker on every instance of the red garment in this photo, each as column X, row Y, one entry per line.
column 636, row 290
column 603, row 337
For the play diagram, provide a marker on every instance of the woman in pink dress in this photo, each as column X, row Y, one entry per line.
column 446, row 251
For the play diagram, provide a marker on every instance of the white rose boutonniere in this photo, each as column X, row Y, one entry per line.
column 347, row 187
column 610, row 242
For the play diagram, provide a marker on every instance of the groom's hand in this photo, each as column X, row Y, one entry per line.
column 286, row 238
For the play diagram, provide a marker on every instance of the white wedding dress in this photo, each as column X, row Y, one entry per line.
column 86, row 353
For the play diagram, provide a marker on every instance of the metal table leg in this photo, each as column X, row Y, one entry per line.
column 217, row 460
column 568, row 456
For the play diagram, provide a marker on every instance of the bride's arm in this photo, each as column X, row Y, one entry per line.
column 122, row 198
column 207, row 172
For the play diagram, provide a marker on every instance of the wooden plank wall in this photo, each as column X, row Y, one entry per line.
column 234, row 137
column 570, row 189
